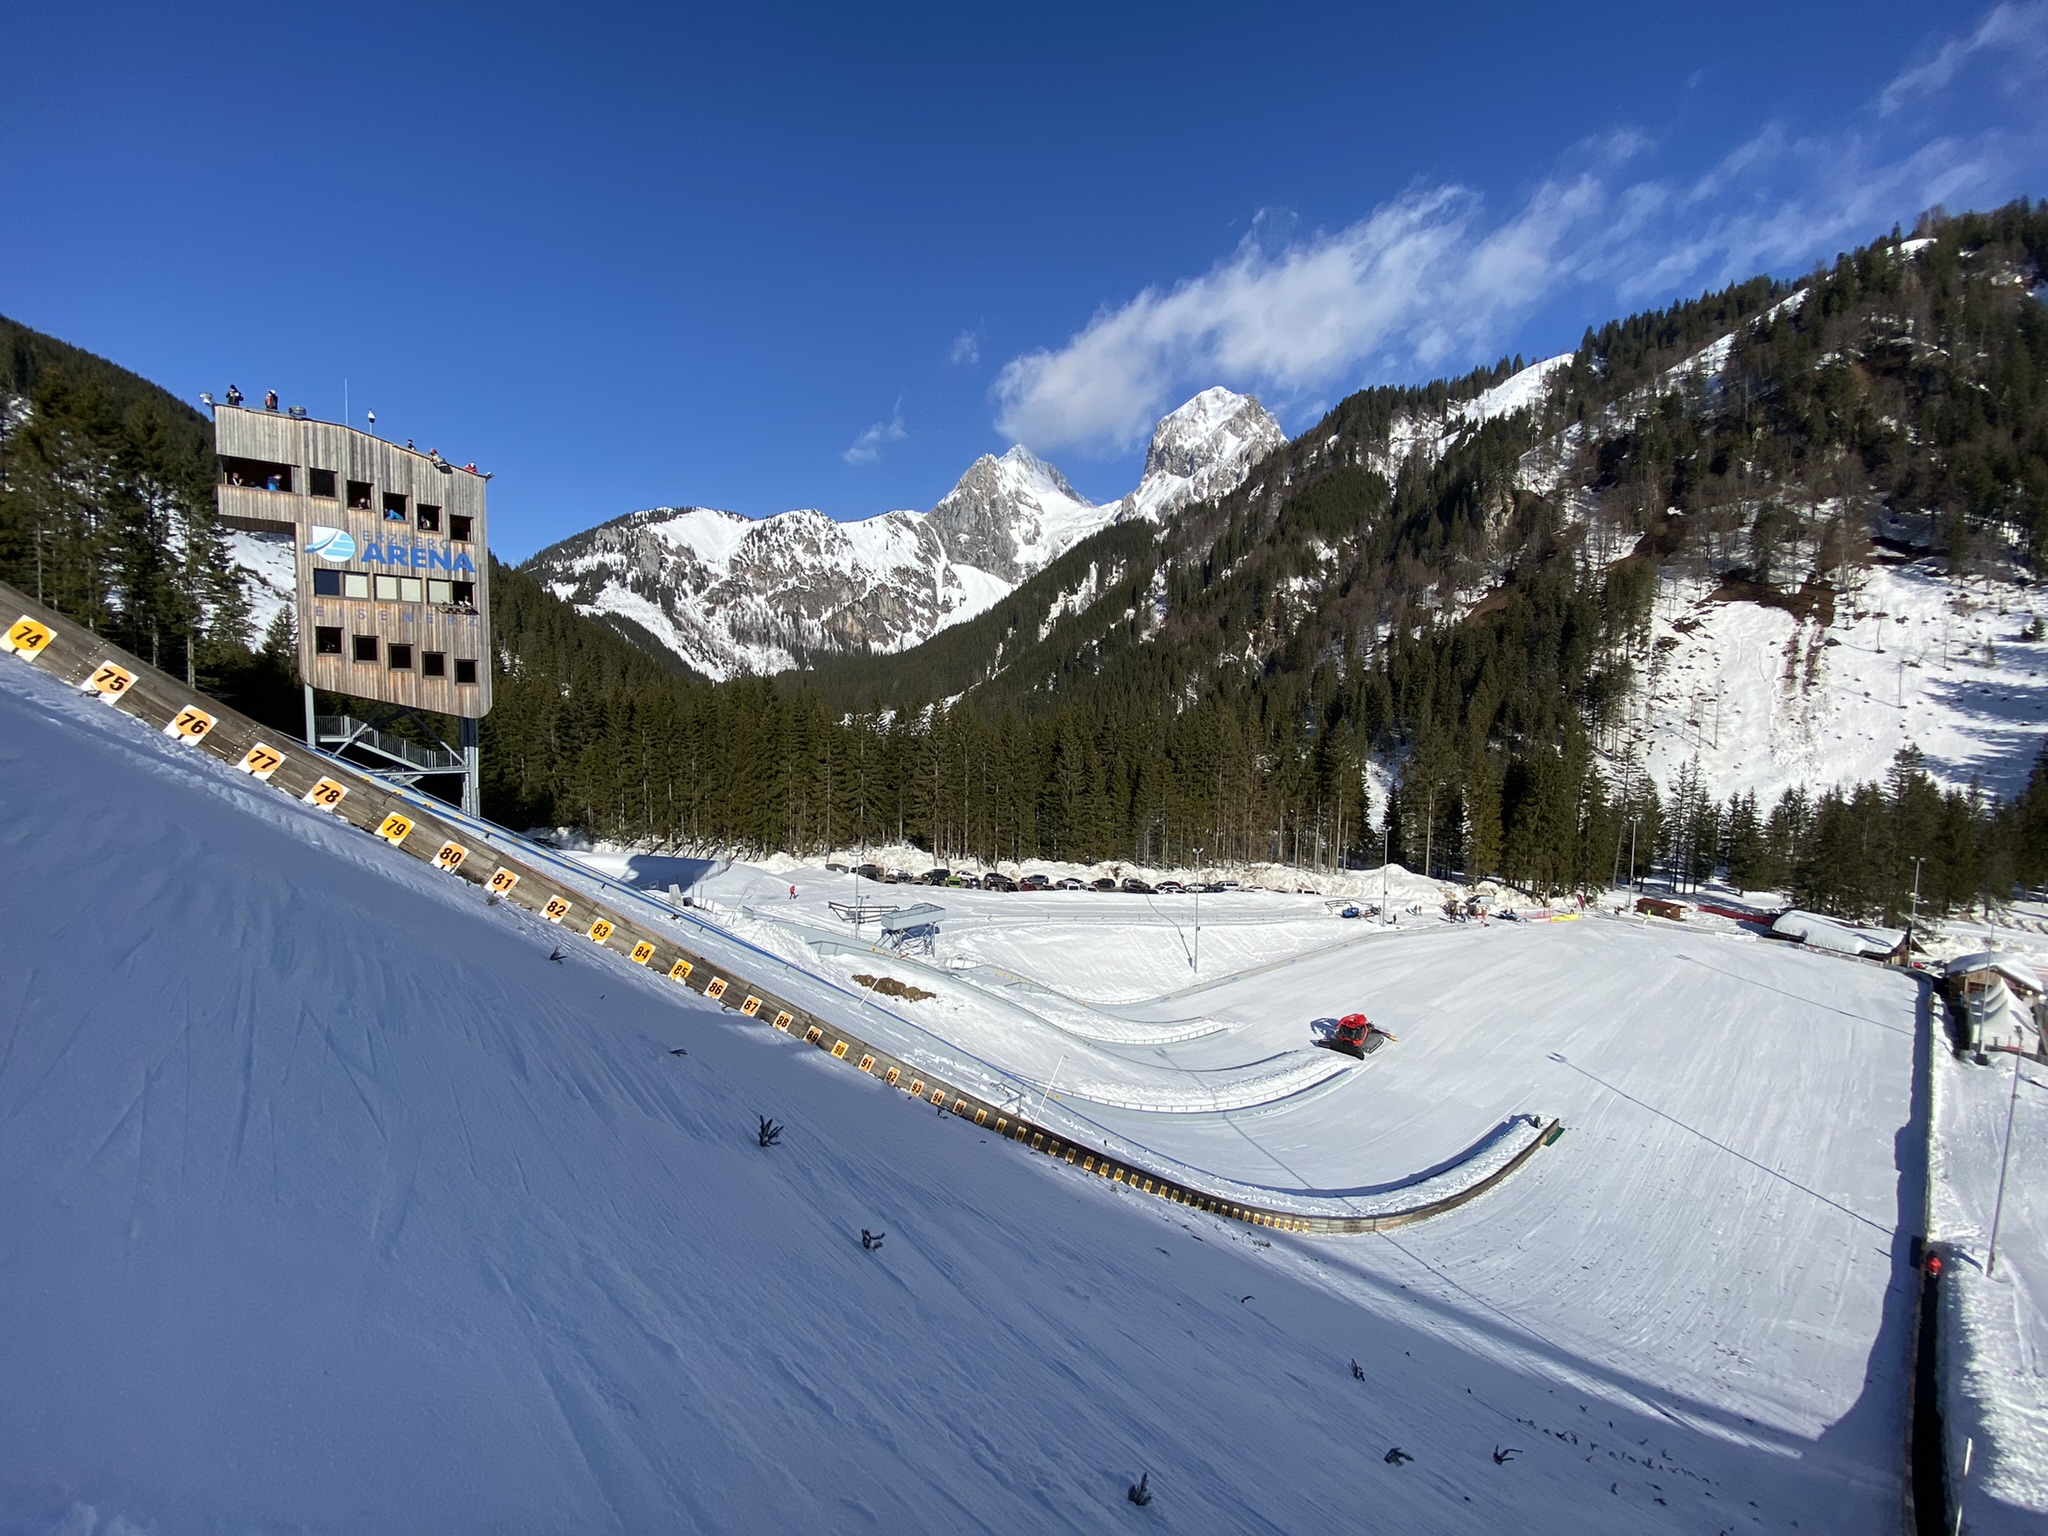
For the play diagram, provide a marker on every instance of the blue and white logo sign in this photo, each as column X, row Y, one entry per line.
column 336, row 544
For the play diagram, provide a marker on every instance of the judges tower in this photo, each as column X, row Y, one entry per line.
column 392, row 579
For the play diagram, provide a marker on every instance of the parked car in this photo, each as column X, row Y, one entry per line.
column 962, row 883
column 900, row 877
column 835, row 869
column 1035, row 883
column 1170, row 888
column 935, row 877
column 1104, row 884
column 996, row 881
column 1073, row 883
column 1136, row 887
column 870, row 872
column 1225, row 885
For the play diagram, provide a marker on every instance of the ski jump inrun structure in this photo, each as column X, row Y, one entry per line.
column 76, row 656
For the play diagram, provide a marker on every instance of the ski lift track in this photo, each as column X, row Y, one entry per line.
column 73, row 654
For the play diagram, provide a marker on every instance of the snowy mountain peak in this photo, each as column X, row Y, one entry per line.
column 732, row 594
column 1203, row 449
column 1008, row 516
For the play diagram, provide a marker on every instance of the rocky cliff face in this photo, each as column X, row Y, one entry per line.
column 1204, row 449
column 731, row 594
column 1007, row 513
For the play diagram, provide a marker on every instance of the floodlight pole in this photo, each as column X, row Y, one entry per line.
column 1198, row 914
column 2005, row 1158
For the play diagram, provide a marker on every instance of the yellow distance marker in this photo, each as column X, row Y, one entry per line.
column 190, row 725
column 751, row 1006
column 502, row 880
column 260, row 762
column 450, row 857
column 326, row 794
column 26, row 638
column 716, row 987
column 555, row 910
column 109, row 680
column 642, row 952
column 784, row 1019
column 394, row 829
column 680, row 971
column 600, row 930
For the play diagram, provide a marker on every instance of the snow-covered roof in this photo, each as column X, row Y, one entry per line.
column 2011, row 967
column 1819, row 932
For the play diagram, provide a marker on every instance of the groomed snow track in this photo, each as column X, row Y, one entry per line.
column 74, row 655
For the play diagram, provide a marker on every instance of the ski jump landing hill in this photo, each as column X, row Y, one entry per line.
column 517, row 871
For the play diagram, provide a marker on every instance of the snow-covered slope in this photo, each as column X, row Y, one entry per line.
column 1428, row 434
column 1767, row 698
column 733, row 594
column 331, row 1204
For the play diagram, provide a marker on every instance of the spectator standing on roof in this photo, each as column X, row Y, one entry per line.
column 270, row 400
column 234, row 395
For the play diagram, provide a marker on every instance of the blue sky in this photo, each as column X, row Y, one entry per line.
column 635, row 256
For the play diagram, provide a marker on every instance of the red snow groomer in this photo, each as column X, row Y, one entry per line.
column 1355, row 1035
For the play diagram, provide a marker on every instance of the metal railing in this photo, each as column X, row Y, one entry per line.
column 337, row 732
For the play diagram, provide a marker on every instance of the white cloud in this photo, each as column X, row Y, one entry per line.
column 1429, row 282
column 1421, row 276
column 966, row 349
column 2018, row 31
column 868, row 446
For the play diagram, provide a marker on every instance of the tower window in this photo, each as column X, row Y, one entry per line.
column 458, row 527
column 465, row 670
column 320, row 482
column 433, row 663
column 366, row 647
column 359, row 495
column 258, row 474
column 428, row 518
column 326, row 640
column 399, row 657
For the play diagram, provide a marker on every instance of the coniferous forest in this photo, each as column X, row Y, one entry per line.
column 1215, row 691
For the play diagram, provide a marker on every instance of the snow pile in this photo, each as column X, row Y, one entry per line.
column 1995, row 1365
